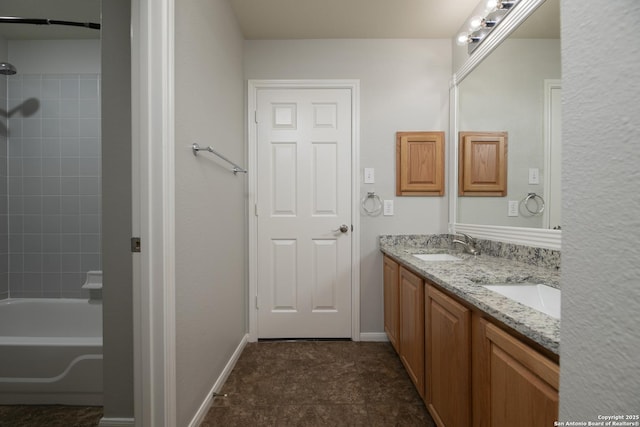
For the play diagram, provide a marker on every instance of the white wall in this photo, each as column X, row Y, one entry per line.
column 56, row 56
column 600, row 363
column 210, row 226
column 403, row 86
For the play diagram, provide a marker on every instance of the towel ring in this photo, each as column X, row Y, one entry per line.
column 376, row 203
column 539, row 203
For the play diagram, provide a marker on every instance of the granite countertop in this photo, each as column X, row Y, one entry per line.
column 465, row 278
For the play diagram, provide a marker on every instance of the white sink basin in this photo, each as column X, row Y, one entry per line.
column 437, row 257
column 539, row 297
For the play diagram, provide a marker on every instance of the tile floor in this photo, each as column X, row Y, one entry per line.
column 318, row 383
column 50, row 416
column 308, row 383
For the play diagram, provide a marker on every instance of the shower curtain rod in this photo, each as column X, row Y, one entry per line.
column 37, row 21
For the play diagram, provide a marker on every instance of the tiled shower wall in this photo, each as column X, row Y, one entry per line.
column 54, row 183
column 4, row 224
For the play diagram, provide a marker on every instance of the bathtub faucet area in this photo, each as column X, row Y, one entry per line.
column 93, row 284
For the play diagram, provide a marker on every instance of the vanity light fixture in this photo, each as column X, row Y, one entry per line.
column 500, row 4
column 468, row 38
column 480, row 26
column 478, row 22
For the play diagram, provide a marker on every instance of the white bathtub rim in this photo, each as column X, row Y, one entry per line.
column 11, row 301
column 38, row 318
column 49, row 341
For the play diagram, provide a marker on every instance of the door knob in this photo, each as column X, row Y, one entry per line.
column 343, row 228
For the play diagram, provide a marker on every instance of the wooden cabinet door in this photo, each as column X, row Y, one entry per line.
column 447, row 359
column 412, row 326
column 419, row 163
column 392, row 302
column 521, row 384
column 482, row 168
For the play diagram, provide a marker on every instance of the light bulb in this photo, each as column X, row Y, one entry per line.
column 492, row 4
column 462, row 39
column 475, row 23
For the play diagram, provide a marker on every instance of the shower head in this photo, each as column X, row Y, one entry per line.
column 7, row 69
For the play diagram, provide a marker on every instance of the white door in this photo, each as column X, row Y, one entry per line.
column 303, row 201
column 553, row 116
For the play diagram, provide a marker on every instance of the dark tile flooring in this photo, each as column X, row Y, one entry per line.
column 308, row 383
column 50, row 416
column 318, row 383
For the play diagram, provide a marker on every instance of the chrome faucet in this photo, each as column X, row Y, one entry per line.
column 469, row 244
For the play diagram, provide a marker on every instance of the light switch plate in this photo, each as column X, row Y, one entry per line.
column 534, row 176
column 513, row 208
column 369, row 177
column 388, row 208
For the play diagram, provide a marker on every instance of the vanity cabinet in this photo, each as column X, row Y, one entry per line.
column 512, row 383
column 392, row 302
column 412, row 326
column 469, row 369
column 448, row 359
column 404, row 318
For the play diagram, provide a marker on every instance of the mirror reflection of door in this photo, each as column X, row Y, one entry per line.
column 553, row 152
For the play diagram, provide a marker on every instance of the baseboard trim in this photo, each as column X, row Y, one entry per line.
column 116, row 422
column 204, row 407
column 374, row 336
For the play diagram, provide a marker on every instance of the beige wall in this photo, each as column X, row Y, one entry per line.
column 600, row 367
column 210, row 207
column 404, row 85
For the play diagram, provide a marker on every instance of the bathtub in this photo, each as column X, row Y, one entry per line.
column 50, row 351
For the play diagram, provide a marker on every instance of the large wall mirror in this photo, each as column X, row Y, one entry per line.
column 512, row 83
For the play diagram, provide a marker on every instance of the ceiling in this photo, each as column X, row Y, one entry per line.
column 288, row 19
column 544, row 23
column 313, row 19
column 323, row 19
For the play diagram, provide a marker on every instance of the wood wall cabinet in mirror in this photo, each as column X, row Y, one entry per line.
column 482, row 167
column 420, row 163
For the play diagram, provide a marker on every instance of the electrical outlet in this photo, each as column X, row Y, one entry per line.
column 513, row 208
column 388, row 208
column 369, row 177
column 534, row 176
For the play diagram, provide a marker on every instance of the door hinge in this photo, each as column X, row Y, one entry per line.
column 256, row 302
column 255, row 116
column 135, row 244
column 255, row 209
